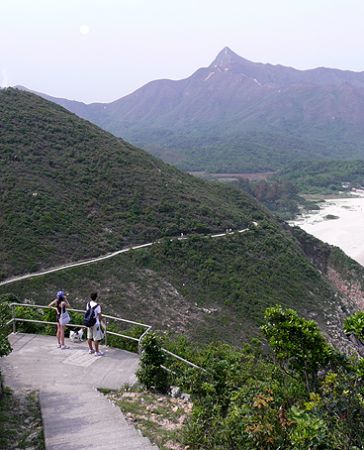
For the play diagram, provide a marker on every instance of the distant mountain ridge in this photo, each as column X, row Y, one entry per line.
column 240, row 115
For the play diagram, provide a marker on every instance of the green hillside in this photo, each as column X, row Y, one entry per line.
column 70, row 190
column 214, row 289
column 323, row 176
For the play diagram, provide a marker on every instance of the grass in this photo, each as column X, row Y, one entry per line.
column 20, row 421
column 158, row 417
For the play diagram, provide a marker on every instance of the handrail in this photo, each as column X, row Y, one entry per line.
column 106, row 316
column 29, row 305
column 182, row 359
column 139, row 340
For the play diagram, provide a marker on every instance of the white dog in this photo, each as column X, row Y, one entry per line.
column 77, row 335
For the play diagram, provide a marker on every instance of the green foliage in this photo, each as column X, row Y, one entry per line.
column 20, row 421
column 282, row 191
column 151, row 374
column 243, row 399
column 5, row 347
column 24, row 312
column 124, row 343
column 297, row 343
column 309, row 430
column 324, row 177
column 280, row 197
column 75, row 191
column 216, row 288
column 354, row 324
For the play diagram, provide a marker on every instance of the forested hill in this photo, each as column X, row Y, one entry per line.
column 238, row 115
column 70, row 190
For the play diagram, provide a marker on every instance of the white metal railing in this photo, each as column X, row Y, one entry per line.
column 15, row 319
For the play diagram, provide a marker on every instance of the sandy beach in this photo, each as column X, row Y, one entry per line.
column 346, row 231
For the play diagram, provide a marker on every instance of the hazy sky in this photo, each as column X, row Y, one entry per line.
column 100, row 50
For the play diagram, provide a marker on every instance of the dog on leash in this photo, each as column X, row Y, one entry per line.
column 77, row 335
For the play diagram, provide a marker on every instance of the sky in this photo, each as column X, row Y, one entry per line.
column 101, row 50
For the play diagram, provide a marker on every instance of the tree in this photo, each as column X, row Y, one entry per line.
column 151, row 373
column 297, row 343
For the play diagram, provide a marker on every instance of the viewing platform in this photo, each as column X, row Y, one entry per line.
column 75, row 415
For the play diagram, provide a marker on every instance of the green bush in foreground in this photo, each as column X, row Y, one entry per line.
column 355, row 325
column 299, row 394
column 5, row 347
column 151, row 373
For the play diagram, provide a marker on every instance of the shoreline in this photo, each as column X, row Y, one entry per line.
column 343, row 227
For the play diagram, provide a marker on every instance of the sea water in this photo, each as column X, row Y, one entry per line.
column 345, row 231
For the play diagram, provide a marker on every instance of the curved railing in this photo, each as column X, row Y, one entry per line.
column 13, row 321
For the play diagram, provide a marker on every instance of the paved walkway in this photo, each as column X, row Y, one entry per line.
column 75, row 415
column 102, row 258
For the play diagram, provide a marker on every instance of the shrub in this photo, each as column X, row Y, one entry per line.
column 297, row 343
column 151, row 374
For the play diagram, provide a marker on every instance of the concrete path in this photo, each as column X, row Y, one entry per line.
column 109, row 255
column 75, row 415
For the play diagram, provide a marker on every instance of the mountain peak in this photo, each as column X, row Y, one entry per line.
column 225, row 58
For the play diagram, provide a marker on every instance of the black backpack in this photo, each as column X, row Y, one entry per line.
column 89, row 318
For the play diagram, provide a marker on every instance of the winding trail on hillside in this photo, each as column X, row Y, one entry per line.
column 109, row 255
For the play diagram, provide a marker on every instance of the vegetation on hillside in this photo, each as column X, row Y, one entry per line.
column 70, row 190
column 324, row 177
column 208, row 288
column 284, row 192
column 20, row 421
column 297, row 393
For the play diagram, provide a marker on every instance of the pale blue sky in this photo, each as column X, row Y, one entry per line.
column 131, row 42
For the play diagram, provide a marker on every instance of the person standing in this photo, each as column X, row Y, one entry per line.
column 94, row 332
column 60, row 303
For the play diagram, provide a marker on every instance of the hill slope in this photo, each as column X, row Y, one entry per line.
column 70, row 190
column 237, row 115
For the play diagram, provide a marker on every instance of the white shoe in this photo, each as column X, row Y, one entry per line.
column 58, row 345
column 99, row 353
column 64, row 347
column 91, row 351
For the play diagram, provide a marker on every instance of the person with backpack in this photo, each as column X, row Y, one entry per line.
column 92, row 320
column 60, row 303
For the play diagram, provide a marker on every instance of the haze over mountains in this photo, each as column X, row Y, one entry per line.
column 238, row 115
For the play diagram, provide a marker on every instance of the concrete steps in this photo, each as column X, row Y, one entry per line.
column 75, row 414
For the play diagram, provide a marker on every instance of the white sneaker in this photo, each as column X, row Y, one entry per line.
column 99, row 353
column 58, row 345
column 64, row 347
column 91, row 351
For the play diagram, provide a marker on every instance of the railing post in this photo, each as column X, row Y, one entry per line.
column 13, row 314
column 141, row 338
